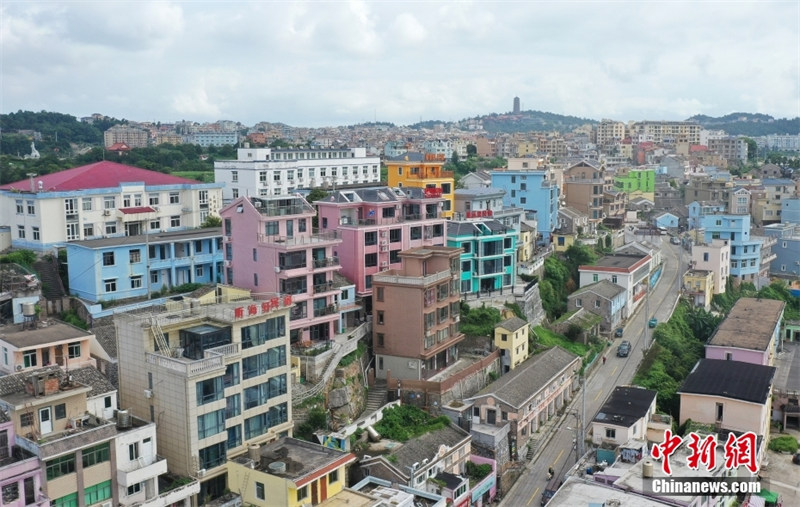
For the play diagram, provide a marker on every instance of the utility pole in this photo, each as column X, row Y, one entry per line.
column 582, row 438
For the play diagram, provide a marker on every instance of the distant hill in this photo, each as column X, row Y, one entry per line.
column 524, row 121
column 749, row 124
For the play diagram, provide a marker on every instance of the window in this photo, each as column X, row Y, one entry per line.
column 74, row 350
column 32, row 207
column 133, row 451
column 597, row 303
column 110, row 285
column 20, row 207
column 29, row 358
column 98, row 492
column 10, row 493
column 381, row 338
column 370, row 260
column 595, row 277
column 109, row 202
column 136, row 282
column 613, row 278
column 210, row 424
column 260, row 491
column 705, row 256
column 301, row 225
column 155, row 225
column 578, row 302
column 60, row 466
column 108, row 258
column 234, row 436
column 88, row 230
column 111, row 227
column 271, row 228
column 174, row 198
column 175, row 221
column 209, row 390
column 333, row 477
column 302, row 493
column 70, row 500
column 235, row 176
column 380, row 317
column 611, row 433
column 395, row 235
column 21, row 231
column 26, row 419
column 719, row 412
column 97, row 454
column 152, row 199
column 394, row 256
column 132, row 490
column 370, row 238
column 36, row 235
column 107, row 401
column 134, row 256
column 61, row 411
column 368, row 281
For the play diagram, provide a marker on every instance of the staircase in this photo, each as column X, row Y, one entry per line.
column 52, row 288
column 376, row 397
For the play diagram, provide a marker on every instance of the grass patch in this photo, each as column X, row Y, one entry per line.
column 547, row 338
column 404, row 422
column 354, row 355
column 785, row 443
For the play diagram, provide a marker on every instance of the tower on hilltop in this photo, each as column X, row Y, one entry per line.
column 516, row 105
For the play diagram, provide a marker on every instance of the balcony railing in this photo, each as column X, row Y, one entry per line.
column 412, row 280
column 300, row 239
column 273, row 210
column 326, row 263
column 325, row 310
column 186, row 367
column 323, row 287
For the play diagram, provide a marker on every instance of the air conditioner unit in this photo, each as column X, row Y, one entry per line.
column 384, row 248
column 148, row 393
column 106, row 212
column 384, row 264
column 201, row 472
column 383, row 234
column 384, row 242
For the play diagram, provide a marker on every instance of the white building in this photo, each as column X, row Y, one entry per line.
column 101, row 200
column 259, row 172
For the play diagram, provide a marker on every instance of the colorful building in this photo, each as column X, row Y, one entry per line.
column 751, row 332
column 137, row 266
column 511, row 337
column 415, row 169
column 20, row 470
column 637, row 183
column 698, row 284
column 27, row 348
column 531, row 190
column 271, row 246
column 103, row 200
column 745, row 258
column 376, row 224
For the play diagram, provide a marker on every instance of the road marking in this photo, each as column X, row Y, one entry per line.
column 615, row 371
column 599, row 393
column 532, row 496
column 558, row 457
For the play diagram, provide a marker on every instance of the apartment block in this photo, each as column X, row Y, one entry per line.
column 20, row 470
column 751, row 332
column 215, row 378
column 102, row 200
column 698, row 284
column 427, row 286
column 376, row 224
column 271, row 246
column 786, row 249
column 135, row 266
column 423, row 170
column 262, row 172
column 132, row 136
column 715, row 257
column 767, row 208
column 745, row 259
column 636, row 183
column 531, row 190
column 629, row 271
column 665, row 132
column 732, row 149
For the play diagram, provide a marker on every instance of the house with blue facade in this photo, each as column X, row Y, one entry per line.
column 698, row 209
column 790, row 211
column 136, row 266
column 786, row 249
column 666, row 220
column 745, row 251
column 531, row 190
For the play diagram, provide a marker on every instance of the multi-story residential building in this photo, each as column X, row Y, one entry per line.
column 624, row 416
column 20, row 470
column 729, row 395
column 423, row 170
column 511, row 337
column 609, row 132
column 637, row 183
column 665, row 132
column 289, row 472
column 488, row 233
column 526, row 246
column 206, row 139
column 427, row 285
column 443, row 147
column 376, row 224
column 531, row 190
column 602, row 298
column 733, row 149
column 132, row 136
column 584, row 190
column 698, row 284
column 631, row 272
column 698, row 209
column 261, row 172
column 739, row 201
column 750, row 332
column 476, row 179
column 745, row 262
column 667, row 196
column 271, row 246
column 527, row 396
column 395, row 148
column 786, row 249
column 215, row 377
column 768, row 208
column 30, row 346
column 716, row 258
column 790, row 210
column 100, row 200
column 135, row 266
column 20, row 290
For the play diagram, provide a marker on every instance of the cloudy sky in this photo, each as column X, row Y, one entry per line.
column 329, row 63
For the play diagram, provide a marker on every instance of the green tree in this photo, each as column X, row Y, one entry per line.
column 211, row 221
column 752, row 149
column 472, row 150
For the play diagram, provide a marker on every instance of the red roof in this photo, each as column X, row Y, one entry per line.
column 140, row 209
column 697, row 147
column 119, row 147
column 103, row 174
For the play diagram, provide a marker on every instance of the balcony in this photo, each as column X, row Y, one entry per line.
column 172, row 492
column 320, row 239
column 271, row 209
column 412, row 280
column 326, row 310
column 92, row 431
column 323, row 287
column 328, row 262
column 140, row 470
column 187, row 367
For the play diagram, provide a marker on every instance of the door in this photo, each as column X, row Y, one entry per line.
column 147, row 450
column 289, row 228
column 45, row 421
column 45, row 357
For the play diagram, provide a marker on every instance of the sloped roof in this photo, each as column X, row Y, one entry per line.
column 749, row 325
column 625, row 406
column 427, row 445
column 512, row 324
column 103, row 174
column 524, row 381
column 730, row 379
column 603, row 288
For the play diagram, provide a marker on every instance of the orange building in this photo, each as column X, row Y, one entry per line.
column 414, row 169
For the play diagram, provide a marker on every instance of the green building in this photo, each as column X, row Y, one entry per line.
column 637, row 183
column 489, row 259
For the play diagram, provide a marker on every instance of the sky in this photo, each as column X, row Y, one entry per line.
column 330, row 63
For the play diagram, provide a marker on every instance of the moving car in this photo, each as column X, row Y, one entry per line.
column 652, row 322
column 624, row 349
column 618, row 332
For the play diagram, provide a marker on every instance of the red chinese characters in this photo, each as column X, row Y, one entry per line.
column 666, row 449
column 703, row 451
column 238, row 312
column 741, row 451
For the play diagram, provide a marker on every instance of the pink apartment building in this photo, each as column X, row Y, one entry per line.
column 20, row 470
column 376, row 224
column 750, row 333
column 270, row 246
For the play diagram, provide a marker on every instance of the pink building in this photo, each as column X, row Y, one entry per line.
column 20, row 471
column 31, row 346
column 377, row 223
column 270, row 246
column 750, row 333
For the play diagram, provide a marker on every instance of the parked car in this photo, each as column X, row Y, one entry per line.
column 624, row 349
column 618, row 332
column 652, row 323
column 675, row 240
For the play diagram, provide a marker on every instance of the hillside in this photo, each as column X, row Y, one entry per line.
column 749, row 124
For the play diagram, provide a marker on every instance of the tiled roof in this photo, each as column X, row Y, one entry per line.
column 88, row 376
column 521, row 383
column 427, row 445
column 106, row 334
column 92, row 377
column 625, row 406
column 604, row 288
column 749, row 325
column 512, row 324
column 730, row 379
column 103, row 174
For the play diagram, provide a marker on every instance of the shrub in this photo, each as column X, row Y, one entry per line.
column 785, row 443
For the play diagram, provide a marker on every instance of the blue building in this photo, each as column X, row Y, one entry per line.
column 745, row 252
column 666, row 220
column 786, row 249
column 698, row 209
column 790, row 211
column 135, row 266
column 532, row 191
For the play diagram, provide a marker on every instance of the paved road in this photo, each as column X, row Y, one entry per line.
column 559, row 452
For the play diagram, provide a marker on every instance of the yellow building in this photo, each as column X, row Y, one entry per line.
column 424, row 170
column 511, row 337
column 698, row 284
column 527, row 240
column 563, row 240
column 289, row 472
